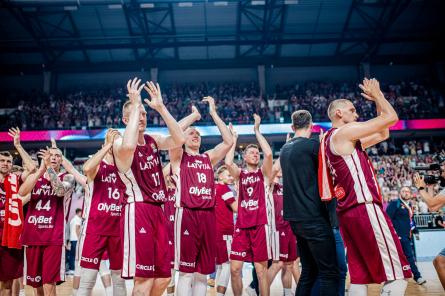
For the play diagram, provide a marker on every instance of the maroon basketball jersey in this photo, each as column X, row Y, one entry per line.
column 252, row 199
column 45, row 220
column 277, row 195
column 2, row 208
column 106, row 192
column 353, row 176
column 224, row 215
column 169, row 206
column 144, row 181
column 196, row 188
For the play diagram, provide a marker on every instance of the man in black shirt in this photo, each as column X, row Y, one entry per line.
column 305, row 211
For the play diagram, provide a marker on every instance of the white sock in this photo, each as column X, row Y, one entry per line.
column 109, row 291
column 218, row 274
column 394, row 288
column 87, row 282
column 287, row 292
column 358, row 290
column 185, row 281
column 199, row 285
column 74, row 292
column 119, row 288
column 22, row 292
column 224, row 275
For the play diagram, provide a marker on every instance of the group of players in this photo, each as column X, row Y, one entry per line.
column 149, row 219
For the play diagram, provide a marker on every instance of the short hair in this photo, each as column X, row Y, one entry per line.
column 221, row 170
column 301, row 119
column 6, row 154
column 334, row 105
column 78, row 211
column 251, row 146
column 126, row 106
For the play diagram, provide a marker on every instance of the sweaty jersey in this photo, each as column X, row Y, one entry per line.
column 252, row 199
column 224, row 215
column 353, row 176
column 106, row 192
column 196, row 188
column 45, row 220
column 277, row 196
column 144, row 181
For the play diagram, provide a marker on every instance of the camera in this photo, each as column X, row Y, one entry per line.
column 433, row 178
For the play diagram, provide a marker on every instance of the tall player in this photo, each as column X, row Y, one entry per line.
column 195, row 240
column 43, row 234
column 102, row 227
column 251, row 238
column 145, row 234
column 374, row 251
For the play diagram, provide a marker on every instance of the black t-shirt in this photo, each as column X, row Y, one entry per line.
column 436, row 221
column 299, row 163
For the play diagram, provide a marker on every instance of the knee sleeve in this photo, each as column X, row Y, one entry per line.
column 103, row 268
column 184, row 284
column 394, row 288
column 87, row 282
column 224, row 275
column 358, row 290
column 119, row 287
column 199, row 285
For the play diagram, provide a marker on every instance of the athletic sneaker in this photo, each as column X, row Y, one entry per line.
column 420, row 281
column 250, row 291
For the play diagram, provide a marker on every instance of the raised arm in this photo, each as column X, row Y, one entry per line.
column 78, row 177
column 176, row 137
column 91, row 166
column 124, row 147
column 28, row 163
column 267, row 151
column 216, row 154
column 234, row 170
column 276, row 168
column 31, row 180
column 190, row 119
column 373, row 130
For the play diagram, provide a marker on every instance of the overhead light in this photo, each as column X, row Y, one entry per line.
column 220, row 3
column 115, row 6
column 147, row 5
column 70, row 8
column 185, row 4
column 258, row 2
column 290, row 2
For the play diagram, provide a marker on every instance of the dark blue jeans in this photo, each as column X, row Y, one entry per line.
column 72, row 255
column 408, row 251
column 342, row 267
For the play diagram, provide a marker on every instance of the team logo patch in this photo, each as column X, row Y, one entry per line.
column 142, row 230
column 186, row 232
column 339, row 192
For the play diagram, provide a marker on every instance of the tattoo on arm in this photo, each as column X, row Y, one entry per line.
column 61, row 188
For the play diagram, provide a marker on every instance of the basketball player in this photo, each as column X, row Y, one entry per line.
column 251, row 238
column 195, row 201
column 225, row 206
column 102, row 226
column 11, row 266
column 374, row 251
column 145, row 234
column 43, row 233
column 284, row 242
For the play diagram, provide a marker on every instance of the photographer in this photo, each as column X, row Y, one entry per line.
column 434, row 204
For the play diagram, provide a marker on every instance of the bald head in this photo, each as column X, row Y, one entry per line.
column 336, row 105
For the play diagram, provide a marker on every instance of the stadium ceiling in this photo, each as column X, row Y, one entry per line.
column 128, row 35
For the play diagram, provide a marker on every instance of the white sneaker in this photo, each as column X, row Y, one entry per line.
column 250, row 291
column 421, row 281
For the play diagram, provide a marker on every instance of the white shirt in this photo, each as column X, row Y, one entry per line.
column 76, row 220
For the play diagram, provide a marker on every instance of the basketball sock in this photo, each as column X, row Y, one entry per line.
column 358, row 290
column 199, row 285
column 287, row 292
column 394, row 288
column 218, row 274
column 172, row 279
column 109, row 291
column 119, row 288
column 224, row 276
column 87, row 282
column 74, row 292
column 184, row 284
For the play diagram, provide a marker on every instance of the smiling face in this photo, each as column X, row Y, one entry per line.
column 251, row 155
column 192, row 138
column 225, row 177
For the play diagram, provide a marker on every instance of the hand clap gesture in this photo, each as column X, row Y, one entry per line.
column 212, row 106
column 134, row 91
column 257, row 120
column 15, row 134
column 154, row 91
column 371, row 89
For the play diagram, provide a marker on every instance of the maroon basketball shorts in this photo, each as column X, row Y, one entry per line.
column 144, row 238
column 44, row 265
column 251, row 244
column 11, row 263
column 284, row 245
column 94, row 248
column 195, row 240
column 375, row 254
column 223, row 248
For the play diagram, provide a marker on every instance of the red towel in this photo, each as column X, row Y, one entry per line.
column 13, row 226
column 325, row 185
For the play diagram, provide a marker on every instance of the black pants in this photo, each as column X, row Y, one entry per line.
column 316, row 247
column 408, row 250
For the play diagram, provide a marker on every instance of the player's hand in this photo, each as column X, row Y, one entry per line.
column 14, row 132
column 371, row 89
column 212, row 106
column 419, row 181
column 195, row 111
column 156, row 102
column 320, row 137
column 257, row 120
column 234, row 133
column 44, row 155
column 134, row 91
column 111, row 135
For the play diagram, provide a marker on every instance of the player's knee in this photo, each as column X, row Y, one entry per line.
column 439, row 262
column 6, row 285
column 235, row 270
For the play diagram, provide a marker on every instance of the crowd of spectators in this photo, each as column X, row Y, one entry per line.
column 88, row 109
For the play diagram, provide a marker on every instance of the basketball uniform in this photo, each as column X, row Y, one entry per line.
column 224, row 222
